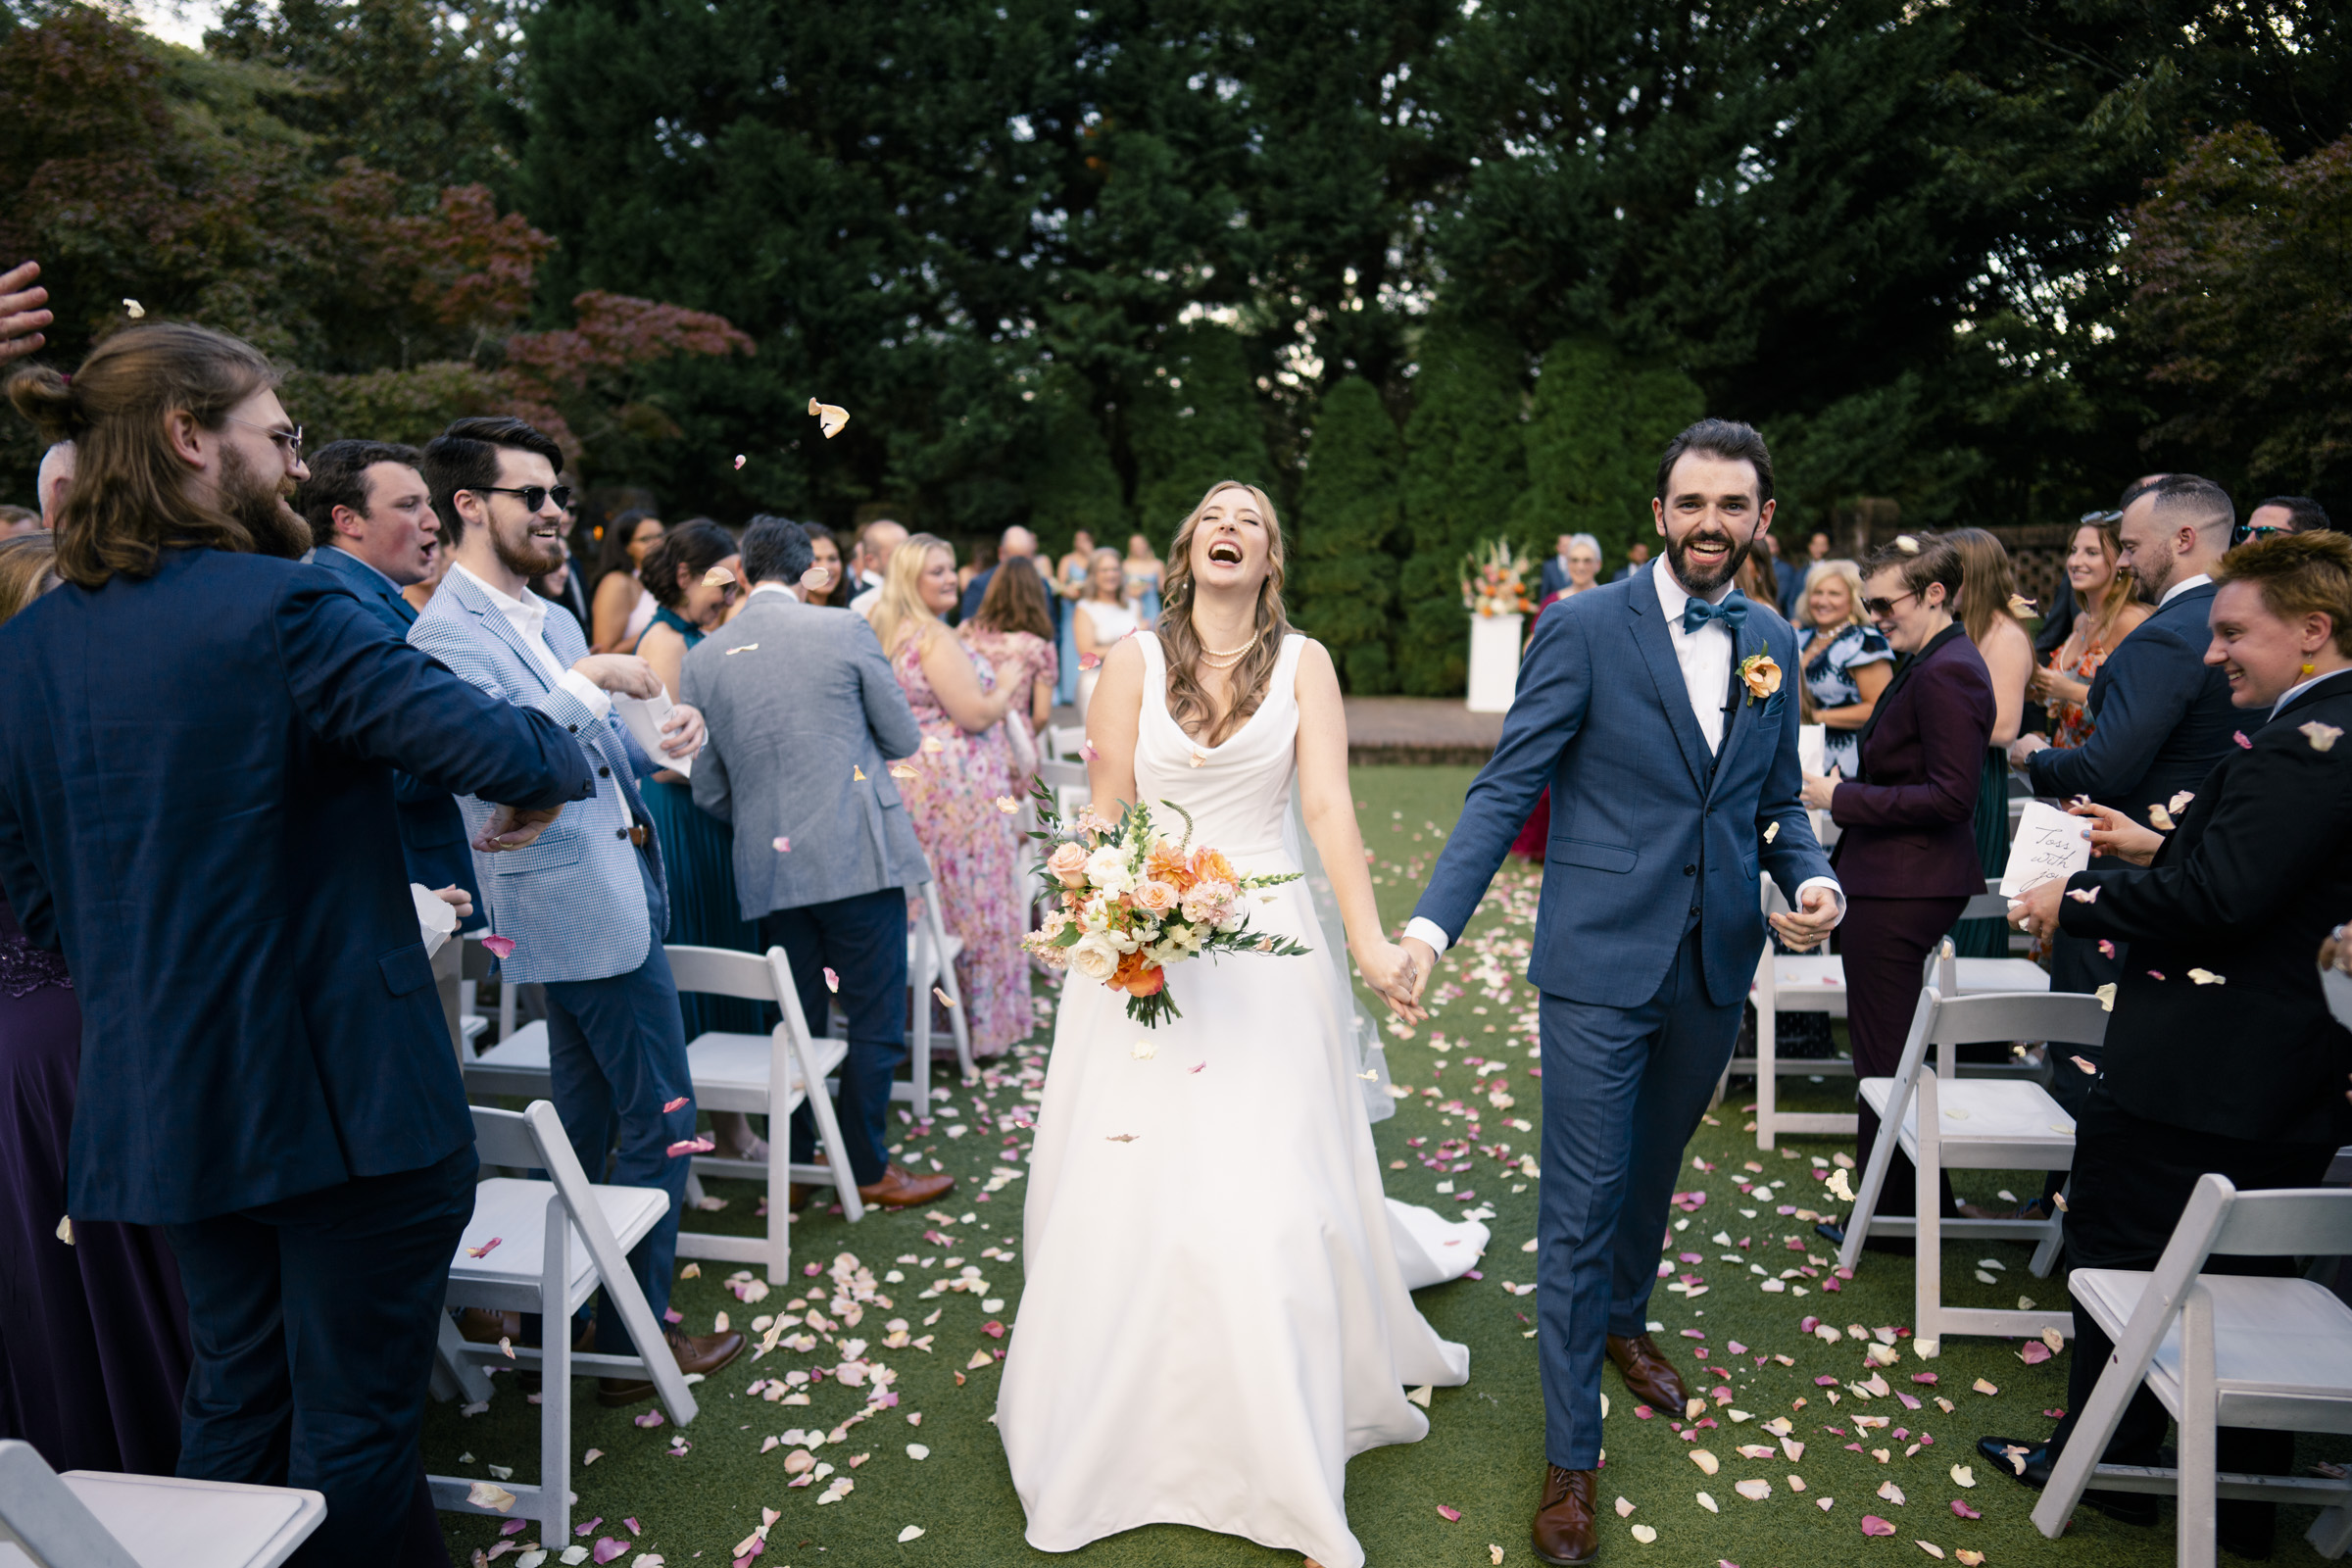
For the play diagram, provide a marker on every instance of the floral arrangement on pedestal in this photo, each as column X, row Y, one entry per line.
column 1494, row 580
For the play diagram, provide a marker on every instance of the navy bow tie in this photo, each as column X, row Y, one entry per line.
column 1732, row 612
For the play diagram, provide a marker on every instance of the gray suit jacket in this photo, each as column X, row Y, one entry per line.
column 800, row 701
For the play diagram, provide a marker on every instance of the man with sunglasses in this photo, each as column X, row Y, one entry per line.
column 587, row 906
column 2284, row 515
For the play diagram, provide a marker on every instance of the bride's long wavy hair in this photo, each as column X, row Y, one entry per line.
column 1188, row 703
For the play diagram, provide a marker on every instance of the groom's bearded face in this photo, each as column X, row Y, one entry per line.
column 1711, row 519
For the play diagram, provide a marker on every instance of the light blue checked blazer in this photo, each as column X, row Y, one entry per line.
column 573, row 902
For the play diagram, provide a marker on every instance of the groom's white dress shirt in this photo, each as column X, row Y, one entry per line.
column 1705, row 656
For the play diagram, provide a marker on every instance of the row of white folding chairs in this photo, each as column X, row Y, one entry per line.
column 100, row 1519
column 1815, row 982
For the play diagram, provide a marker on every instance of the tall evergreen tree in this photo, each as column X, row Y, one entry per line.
column 1601, row 420
column 1194, row 420
column 1465, row 465
column 1072, row 483
column 1349, row 520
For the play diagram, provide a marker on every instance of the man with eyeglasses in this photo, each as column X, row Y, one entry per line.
column 587, row 906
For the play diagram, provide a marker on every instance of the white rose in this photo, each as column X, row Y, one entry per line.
column 1094, row 956
column 1106, row 868
column 1094, row 914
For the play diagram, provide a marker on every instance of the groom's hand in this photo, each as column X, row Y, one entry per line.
column 1423, row 961
column 1815, row 918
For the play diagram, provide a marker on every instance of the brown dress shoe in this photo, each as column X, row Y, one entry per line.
column 1564, row 1531
column 901, row 1188
column 1648, row 1376
column 706, row 1355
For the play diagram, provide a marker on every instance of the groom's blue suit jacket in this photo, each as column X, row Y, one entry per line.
column 1648, row 830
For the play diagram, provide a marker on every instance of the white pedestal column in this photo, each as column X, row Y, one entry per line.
column 1494, row 662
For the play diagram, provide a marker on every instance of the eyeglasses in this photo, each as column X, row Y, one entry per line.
column 279, row 435
column 534, row 496
column 1886, row 606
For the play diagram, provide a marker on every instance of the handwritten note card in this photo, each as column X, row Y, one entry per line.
column 1812, row 742
column 2047, row 844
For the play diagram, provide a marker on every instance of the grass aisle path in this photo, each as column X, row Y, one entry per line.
column 1456, row 1149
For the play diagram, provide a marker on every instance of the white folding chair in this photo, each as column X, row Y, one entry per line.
column 97, row 1519
column 1971, row 1124
column 1815, row 982
column 931, row 954
column 544, row 1247
column 743, row 1072
column 2220, row 1350
column 1067, row 740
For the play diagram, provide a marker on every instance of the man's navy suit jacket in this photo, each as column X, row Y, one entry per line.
column 196, row 808
column 1649, row 830
column 432, row 835
column 2161, row 716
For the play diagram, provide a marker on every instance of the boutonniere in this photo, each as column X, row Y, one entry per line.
column 1761, row 675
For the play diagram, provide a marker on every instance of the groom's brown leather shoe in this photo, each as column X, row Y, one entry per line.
column 1648, row 1376
column 1564, row 1526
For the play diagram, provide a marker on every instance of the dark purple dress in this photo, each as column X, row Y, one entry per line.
column 94, row 1336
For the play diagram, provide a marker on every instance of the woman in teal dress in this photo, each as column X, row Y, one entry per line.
column 693, row 575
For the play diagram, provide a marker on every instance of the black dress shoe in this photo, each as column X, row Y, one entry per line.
column 2008, row 1454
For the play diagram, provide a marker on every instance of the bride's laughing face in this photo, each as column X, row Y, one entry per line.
column 1231, row 548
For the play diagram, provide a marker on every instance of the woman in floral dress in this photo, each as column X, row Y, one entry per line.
column 2107, row 612
column 963, row 771
column 1013, row 631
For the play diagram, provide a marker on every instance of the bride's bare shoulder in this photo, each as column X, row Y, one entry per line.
column 1125, row 658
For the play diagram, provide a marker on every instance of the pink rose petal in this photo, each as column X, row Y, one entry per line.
column 514, row 1527
column 1964, row 1510
column 2034, row 1354
column 1449, row 1515
column 832, row 981
column 783, row 846
column 1873, row 1525
column 649, row 1420
column 2239, row 736
column 588, row 1528
column 691, row 1146
column 500, row 947
column 677, row 1103
column 486, row 1249
column 670, row 1314
column 610, row 1547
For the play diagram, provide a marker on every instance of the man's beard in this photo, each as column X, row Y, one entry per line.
column 524, row 555
column 1699, row 582
column 2149, row 587
column 259, row 504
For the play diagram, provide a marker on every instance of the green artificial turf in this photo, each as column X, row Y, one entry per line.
column 1484, row 1455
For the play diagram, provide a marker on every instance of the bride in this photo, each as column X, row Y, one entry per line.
column 1215, row 1320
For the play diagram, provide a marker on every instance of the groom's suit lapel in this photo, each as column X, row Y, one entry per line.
column 1742, row 718
column 1666, row 672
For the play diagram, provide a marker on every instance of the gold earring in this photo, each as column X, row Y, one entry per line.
column 2307, row 668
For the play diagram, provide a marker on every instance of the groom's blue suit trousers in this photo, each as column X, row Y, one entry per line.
column 1623, row 1091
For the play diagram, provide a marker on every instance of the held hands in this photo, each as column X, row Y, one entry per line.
column 2114, row 833
column 1816, row 916
column 1396, row 974
column 623, row 675
column 684, row 728
column 512, row 827
column 1820, row 787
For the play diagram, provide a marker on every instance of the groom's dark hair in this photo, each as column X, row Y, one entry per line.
column 1728, row 439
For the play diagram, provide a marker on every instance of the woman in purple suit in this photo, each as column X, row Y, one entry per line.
column 93, row 1328
column 1908, row 857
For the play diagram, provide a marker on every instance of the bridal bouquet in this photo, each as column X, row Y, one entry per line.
column 1133, row 902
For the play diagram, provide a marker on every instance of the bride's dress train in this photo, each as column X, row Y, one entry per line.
column 1215, row 1320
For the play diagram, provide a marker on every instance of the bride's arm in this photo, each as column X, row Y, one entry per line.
column 1330, row 812
column 1113, row 718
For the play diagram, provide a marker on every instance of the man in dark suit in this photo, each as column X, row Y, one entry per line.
column 197, row 744
column 1556, row 568
column 1635, row 557
column 2222, row 1054
column 371, row 521
column 2163, row 716
column 1016, row 541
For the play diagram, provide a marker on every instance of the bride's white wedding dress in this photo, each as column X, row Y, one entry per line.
column 1215, row 1321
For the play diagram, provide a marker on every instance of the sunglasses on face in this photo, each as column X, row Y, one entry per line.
column 1886, row 606
column 534, row 496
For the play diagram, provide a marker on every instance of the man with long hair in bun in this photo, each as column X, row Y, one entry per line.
column 198, row 739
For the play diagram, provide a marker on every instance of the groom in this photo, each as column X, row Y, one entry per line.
column 1654, row 708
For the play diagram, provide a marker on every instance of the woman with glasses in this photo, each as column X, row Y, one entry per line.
column 1907, row 851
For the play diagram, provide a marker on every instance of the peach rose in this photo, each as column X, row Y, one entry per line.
column 1166, row 863
column 1067, row 864
column 1762, row 676
column 1155, row 897
column 1210, row 865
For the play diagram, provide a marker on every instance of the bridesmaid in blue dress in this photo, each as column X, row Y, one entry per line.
column 693, row 578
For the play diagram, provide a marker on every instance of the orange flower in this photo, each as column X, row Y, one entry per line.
column 1138, row 976
column 1166, row 863
column 1210, row 865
